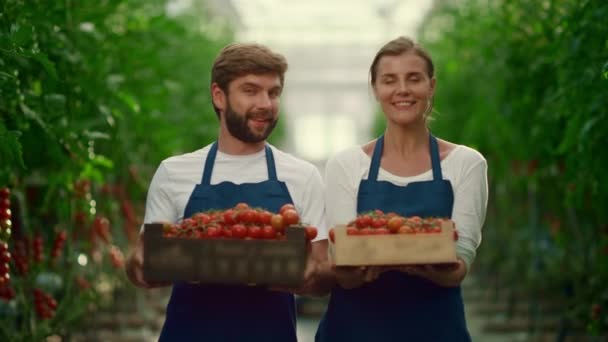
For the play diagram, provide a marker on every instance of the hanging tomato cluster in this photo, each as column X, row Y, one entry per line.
column 5, row 214
column 58, row 244
column 239, row 222
column 44, row 303
column 6, row 292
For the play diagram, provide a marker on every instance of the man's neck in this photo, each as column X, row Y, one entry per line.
column 228, row 144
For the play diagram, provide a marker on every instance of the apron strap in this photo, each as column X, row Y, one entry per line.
column 272, row 171
column 435, row 161
column 210, row 161
column 208, row 170
column 375, row 164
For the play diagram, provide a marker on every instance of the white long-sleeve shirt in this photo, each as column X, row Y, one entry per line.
column 464, row 167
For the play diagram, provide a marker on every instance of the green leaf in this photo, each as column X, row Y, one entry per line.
column 130, row 101
column 4, row 74
column 11, row 152
column 46, row 64
column 32, row 115
column 102, row 161
column 95, row 135
column 91, row 172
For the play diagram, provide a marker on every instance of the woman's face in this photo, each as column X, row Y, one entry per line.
column 403, row 88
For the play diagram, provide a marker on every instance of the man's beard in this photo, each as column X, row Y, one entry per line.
column 237, row 125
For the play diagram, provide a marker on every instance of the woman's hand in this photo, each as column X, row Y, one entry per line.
column 350, row 277
column 447, row 275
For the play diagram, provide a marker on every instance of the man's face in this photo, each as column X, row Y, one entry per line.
column 252, row 107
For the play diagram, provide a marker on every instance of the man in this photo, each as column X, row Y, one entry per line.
column 246, row 85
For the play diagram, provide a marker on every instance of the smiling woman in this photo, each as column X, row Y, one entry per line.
column 406, row 162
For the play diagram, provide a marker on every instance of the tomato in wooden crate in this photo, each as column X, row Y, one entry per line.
column 376, row 238
column 240, row 245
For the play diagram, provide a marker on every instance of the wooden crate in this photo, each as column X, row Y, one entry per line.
column 225, row 261
column 395, row 249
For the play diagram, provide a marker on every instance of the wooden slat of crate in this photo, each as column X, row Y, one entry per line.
column 224, row 261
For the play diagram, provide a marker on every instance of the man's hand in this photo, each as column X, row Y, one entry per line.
column 318, row 278
column 135, row 267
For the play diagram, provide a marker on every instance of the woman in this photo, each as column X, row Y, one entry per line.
column 408, row 171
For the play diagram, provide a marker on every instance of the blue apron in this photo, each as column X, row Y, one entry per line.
column 231, row 313
column 397, row 306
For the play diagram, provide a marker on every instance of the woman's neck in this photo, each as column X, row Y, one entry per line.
column 406, row 141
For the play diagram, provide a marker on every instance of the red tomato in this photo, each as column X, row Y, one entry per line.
column 363, row 221
column 239, row 231
column 414, row 220
column 202, row 218
column 5, row 214
column 254, row 216
column 311, row 233
column 290, row 216
column 213, row 232
column 264, row 217
column 366, row 231
column 254, row 232
column 352, row 231
column 268, row 232
column 286, row 206
column 5, row 203
column 405, row 229
column 229, row 216
column 276, row 221
column 5, row 193
column 247, row 216
column 241, row 206
column 394, row 223
column 381, row 231
column 188, row 223
column 5, row 256
column 52, row 303
column 378, row 222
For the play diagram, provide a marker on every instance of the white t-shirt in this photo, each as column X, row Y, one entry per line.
column 464, row 167
column 177, row 176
